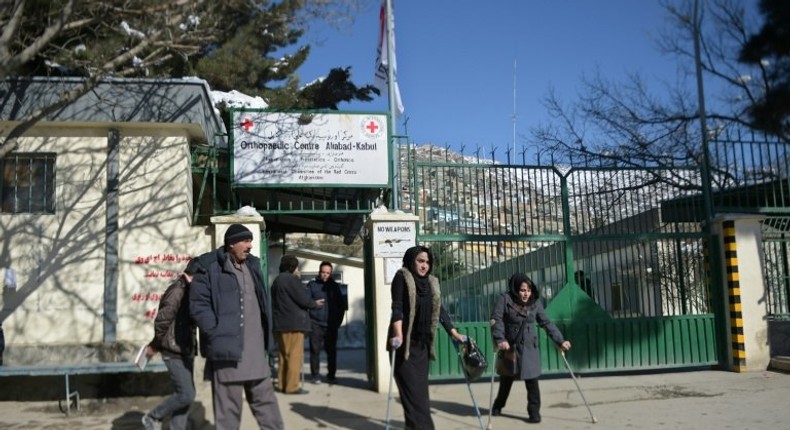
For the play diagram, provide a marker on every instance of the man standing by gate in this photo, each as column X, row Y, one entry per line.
column 325, row 321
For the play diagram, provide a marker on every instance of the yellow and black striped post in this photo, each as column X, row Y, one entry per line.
column 734, row 297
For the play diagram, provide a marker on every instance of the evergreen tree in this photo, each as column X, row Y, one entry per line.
column 770, row 50
column 248, row 45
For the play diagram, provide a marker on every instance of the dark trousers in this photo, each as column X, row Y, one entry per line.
column 177, row 405
column 533, row 394
column 412, row 378
column 323, row 338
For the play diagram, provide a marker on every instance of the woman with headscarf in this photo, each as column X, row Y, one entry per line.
column 514, row 329
column 416, row 313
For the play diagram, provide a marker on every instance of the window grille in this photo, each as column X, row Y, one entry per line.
column 27, row 184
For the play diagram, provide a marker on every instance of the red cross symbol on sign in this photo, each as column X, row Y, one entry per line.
column 372, row 127
column 247, row 124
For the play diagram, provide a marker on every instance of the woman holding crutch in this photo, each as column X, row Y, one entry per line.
column 515, row 316
column 416, row 313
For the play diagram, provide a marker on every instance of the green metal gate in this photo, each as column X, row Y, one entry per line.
column 776, row 247
column 618, row 258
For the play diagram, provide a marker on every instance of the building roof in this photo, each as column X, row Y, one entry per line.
column 126, row 102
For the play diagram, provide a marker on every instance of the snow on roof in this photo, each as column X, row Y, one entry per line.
column 235, row 99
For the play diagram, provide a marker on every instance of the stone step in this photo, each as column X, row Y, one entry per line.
column 781, row 363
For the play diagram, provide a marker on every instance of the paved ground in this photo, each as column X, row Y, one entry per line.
column 689, row 400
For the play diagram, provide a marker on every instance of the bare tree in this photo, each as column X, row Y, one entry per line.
column 96, row 39
column 630, row 124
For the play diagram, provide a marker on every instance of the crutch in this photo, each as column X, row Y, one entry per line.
column 491, row 392
column 477, row 410
column 493, row 373
column 392, row 378
column 469, row 386
column 594, row 420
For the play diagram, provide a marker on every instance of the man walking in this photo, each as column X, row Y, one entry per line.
column 174, row 338
column 325, row 322
column 291, row 302
column 228, row 304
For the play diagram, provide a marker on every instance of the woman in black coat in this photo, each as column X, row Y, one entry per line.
column 514, row 329
column 416, row 313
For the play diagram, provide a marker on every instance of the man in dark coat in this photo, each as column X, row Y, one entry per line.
column 325, row 321
column 291, row 302
column 229, row 306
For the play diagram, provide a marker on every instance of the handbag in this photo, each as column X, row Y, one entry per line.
column 473, row 360
column 507, row 363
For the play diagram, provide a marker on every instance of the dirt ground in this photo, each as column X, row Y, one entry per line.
column 116, row 414
column 669, row 401
column 35, row 403
column 108, row 414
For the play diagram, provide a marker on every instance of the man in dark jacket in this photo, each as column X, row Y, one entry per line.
column 291, row 322
column 229, row 306
column 174, row 338
column 325, row 321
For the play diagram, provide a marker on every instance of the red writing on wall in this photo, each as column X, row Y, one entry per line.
column 167, row 274
column 146, row 297
column 168, row 267
column 161, row 258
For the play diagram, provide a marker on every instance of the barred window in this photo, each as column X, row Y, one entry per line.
column 27, row 184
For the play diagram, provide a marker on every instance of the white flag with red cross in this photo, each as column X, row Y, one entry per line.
column 384, row 57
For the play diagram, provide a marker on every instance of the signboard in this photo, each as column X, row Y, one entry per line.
column 391, row 267
column 310, row 149
column 392, row 239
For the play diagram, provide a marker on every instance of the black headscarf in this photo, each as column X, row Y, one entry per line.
column 410, row 257
column 515, row 282
column 421, row 332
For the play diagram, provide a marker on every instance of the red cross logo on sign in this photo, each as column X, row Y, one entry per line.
column 247, row 124
column 371, row 126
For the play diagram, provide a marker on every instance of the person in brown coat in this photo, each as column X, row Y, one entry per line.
column 290, row 303
column 174, row 338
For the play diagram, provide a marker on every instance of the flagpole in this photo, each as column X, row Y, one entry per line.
column 394, row 153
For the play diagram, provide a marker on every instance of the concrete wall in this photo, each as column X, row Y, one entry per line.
column 59, row 258
column 156, row 233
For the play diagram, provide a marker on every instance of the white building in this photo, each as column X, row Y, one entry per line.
column 97, row 207
column 98, row 215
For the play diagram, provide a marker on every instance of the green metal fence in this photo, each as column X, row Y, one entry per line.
column 752, row 175
column 620, row 255
column 618, row 263
column 776, row 248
